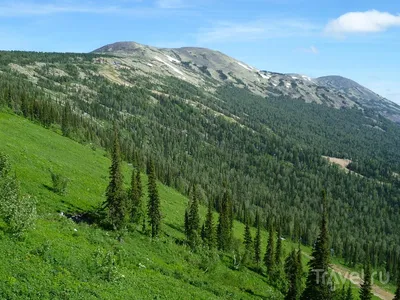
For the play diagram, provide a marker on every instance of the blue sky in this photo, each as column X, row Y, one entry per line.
column 356, row 39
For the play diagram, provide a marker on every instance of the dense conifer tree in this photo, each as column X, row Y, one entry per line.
column 257, row 245
column 248, row 240
column 269, row 258
column 366, row 286
column 116, row 197
column 293, row 270
column 135, row 197
column 192, row 220
column 209, row 228
column 225, row 223
column 397, row 295
column 153, row 205
column 66, row 120
column 318, row 281
column 278, row 251
column 349, row 293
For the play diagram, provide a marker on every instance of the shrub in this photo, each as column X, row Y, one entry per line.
column 18, row 212
column 60, row 183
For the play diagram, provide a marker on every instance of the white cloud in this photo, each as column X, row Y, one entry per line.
column 257, row 30
column 362, row 22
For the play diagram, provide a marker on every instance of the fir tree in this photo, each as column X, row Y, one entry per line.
column 135, row 197
column 248, row 240
column 209, row 227
column 257, row 246
column 349, row 293
column 397, row 295
column 153, row 206
column 115, row 202
column 66, row 120
column 366, row 286
column 278, row 251
column 225, row 223
column 193, row 220
column 293, row 271
column 269, row 258
column 317, row 284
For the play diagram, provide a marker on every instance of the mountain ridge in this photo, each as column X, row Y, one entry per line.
column 211, row 68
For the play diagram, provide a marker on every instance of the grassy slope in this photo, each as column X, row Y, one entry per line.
column 57, row 259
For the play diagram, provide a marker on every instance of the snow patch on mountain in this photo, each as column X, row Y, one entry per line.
column 169, row 65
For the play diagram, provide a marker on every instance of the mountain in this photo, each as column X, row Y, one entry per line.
column 361, row 95
column 210, row 69
column 205, row 120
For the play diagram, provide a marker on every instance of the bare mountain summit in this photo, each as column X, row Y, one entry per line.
column 209, row 69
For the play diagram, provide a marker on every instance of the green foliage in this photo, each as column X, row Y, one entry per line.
column 116, row 197
column 224, row 230
column 57, row 260
column 269, row 258
column 318, row 284
column 153, row 206
column 366, row 286
column 19, row 212
column 257, row 246
column 135, row 195
column 192, row 221
column 293, row 270
column 60, row 183
column 209, row 227
column 397, row 295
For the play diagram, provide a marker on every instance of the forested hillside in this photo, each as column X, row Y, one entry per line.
column 268, row 152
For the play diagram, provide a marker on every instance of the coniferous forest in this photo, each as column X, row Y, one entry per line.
column 237, row 157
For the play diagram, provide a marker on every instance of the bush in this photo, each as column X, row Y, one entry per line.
column 60, row 183
column 18, row 212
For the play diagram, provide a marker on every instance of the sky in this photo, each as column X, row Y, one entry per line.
column 356, row 39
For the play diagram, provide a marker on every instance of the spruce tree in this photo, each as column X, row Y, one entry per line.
column 317, row 284
column 153, row 205
column 248, row 240
column 269, row 258
column 292, row 270
column 257, row 246
column 66, row 120
column 116, row 198
column 225, row 223
column 397, row 295
column 278, row 251
column 349, row 293
column 209, row 230
column 135, row 197
column 366, row 286
column 193, row 220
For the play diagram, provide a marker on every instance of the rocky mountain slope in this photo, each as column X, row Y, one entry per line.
column 211, row 69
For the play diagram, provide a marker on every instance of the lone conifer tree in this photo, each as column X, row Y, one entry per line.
column 317, row 285
column 397, row 295
column 366, row 286
column 116, row 197
column 269, row 258
column 153, row 206
column 209, row 229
